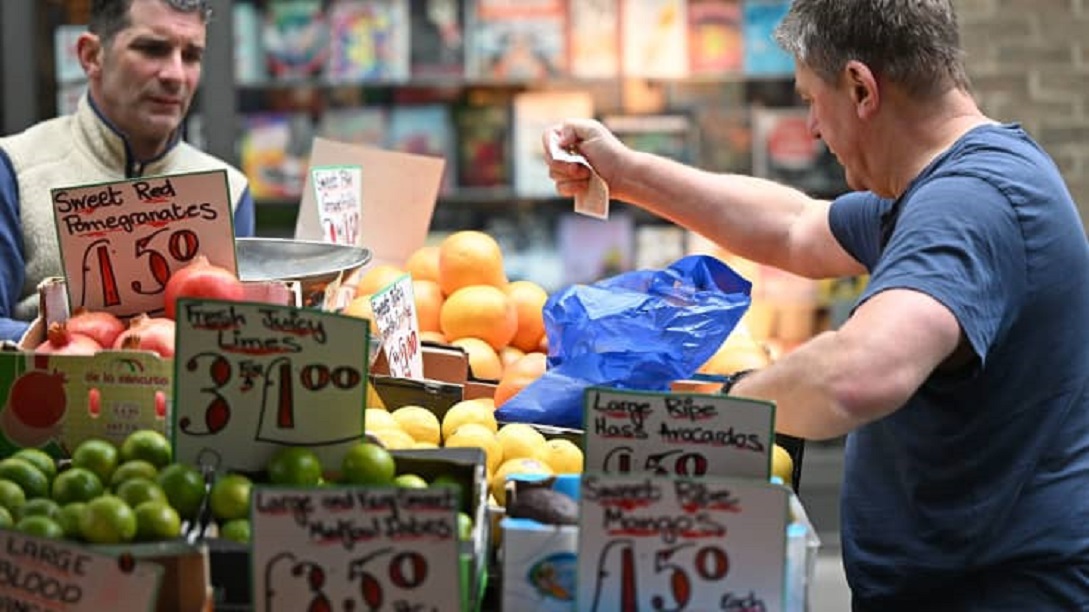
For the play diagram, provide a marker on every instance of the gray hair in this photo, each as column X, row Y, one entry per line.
column 108, row 17
column 914, row 43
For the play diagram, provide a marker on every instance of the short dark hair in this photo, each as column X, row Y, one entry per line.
column 914, row 43
column 108, row 17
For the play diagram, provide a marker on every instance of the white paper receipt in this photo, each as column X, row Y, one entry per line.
column 593, row 203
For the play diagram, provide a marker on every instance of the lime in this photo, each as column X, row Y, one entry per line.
column 136, row 491
column 230, row 497
column 135, row 468
column 410, row 481
column 41, row 526
column 40, row 506
column 465, row 526
column 157, row 520
column 11, row 496
column 294, row 465
column 237, row 530
column 23, row 473
column 367, row 464
column 6, row 521
column 147, row 445
column 39, row 459
column 69, row 519
column 99, row 456
column 107, row 520
column 76, row 484
column 184, row 488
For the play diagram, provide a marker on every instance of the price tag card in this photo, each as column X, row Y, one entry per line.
column 677, row 434
column 250, row 378
column 651, row 543
column 47, row 574
column 121, row 241
column 355, row 548
column 338, row 191
column 395, row 314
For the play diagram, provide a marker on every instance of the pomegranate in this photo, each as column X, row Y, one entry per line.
column 59, row 340
column 155, row 334
column 201, row 279
column 100, row 325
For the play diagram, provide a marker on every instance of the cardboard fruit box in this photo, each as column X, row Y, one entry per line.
column 447, row 381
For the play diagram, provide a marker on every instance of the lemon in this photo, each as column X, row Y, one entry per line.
column 519, row 466
column 424, row 445
column 468, row 411
column 520, row 440
column 782, row 464
column 475, row 435
column 378, row 418
column 393, row 439
column 418, row 422
column 563, row 456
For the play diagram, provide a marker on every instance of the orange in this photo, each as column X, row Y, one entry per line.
column 470, row 258
column 520, row 374
column 529, row 299
column 509, row 354
column 423, row 263
column 737, row 352
column 360, row 306
column 428, row 298
column 481, row 311
column 483, row 360
column 376, row 278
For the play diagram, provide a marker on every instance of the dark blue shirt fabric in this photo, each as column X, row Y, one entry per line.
column 975, row 494
column 11, row 245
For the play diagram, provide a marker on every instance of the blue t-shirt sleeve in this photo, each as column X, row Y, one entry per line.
column 958, row 240
column 244, row 215
column 12, row 266
column 855, row 219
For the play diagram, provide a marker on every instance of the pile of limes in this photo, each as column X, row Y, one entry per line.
column 105, row 494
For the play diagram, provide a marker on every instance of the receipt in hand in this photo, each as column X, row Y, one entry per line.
column 593, row 203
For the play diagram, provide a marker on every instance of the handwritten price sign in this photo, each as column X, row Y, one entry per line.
column 355, row 548
column 395, row 314
column 338, row 191
column 253, row 377
column 121, row 241
column 677, row 434
column 681, row 544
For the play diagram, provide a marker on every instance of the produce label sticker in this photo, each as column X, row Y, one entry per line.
column 338, row 191
column 45, row 574
column 251, row 378
column 394, row 310
column 121, row 241
column 677, row 434
column 355, row 548
column 651, row 543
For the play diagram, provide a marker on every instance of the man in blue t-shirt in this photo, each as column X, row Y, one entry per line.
column 143, row 63
column 961, row 376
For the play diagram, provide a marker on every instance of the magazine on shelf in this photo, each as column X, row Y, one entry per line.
column 483, row 145
column 275, row 148
column 668, row 135
column 368, row 41
column 533, row 113
column 714, row 37
column 593, row 249
column 763, row 56
column 518, row 40
column 594, row 35
column 654, row 35
column 657, row 245
column 784, row 150
column 249, row 51
column 437, row 38
column 66, row 66
column 354, row 125
column 423, row 129
column 295, row 38
column 725, row 139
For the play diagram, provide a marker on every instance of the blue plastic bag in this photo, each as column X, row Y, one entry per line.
column 637, row 330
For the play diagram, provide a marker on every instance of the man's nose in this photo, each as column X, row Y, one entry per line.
column 172, row 67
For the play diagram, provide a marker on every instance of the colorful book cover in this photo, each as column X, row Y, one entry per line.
column 483, row 145
column 368, row 40
column 670, row 135
column 657, row 245
column 275, row 150
column 784, row 150
column 593, row 249
column 655, row 38
column 518, row 40
column 763, row 56
column 714, row 37
column 533, row 113
column 355, row 125
column 295, row 38
column 594, row 35
column 437, row 38
column 424, row 129
column 66, row 66
column 725, row 139
column 249, row 52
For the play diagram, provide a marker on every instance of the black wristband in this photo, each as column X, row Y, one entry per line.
column 732, row 379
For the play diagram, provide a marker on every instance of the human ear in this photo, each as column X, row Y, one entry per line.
column 862, row 85
column 89, row 52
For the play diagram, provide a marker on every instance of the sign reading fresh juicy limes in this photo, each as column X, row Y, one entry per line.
column 250, row 378
column 395, row 314
column 355, row 548
column 121, row 241
column 338, row 191
column 651, row 543
column 48, row 574
column 677, row 434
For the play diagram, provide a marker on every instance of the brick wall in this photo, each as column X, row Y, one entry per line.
column 1029, row 62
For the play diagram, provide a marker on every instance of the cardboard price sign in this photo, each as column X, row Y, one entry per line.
column 45, row 574
column 338, row 191
column 121, row 241
column 677, row 434
column 681, row 544
column 250, row 378
column 364, row 548
column 394, row 310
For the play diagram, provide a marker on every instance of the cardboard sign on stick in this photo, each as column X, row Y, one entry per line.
column 399, row 193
